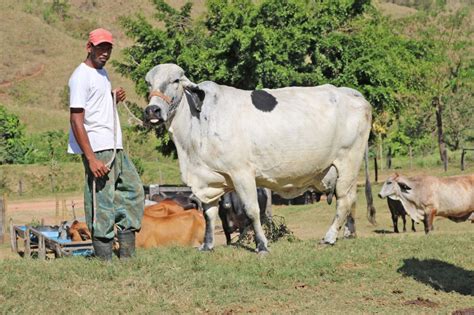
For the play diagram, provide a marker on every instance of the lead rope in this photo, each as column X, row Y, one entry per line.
column 132, row 116
column 108, row 164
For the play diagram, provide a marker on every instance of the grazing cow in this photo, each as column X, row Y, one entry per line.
column 232, row 213
column 288, row 140
column 425, row 197
column 185, row 228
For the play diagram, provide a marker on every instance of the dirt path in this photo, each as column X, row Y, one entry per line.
column 48, row 210
column 37, row 70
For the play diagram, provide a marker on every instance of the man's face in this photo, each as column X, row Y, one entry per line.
column 100, row 54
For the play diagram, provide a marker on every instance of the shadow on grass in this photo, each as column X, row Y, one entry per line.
column 440, row 275
column 383, row 231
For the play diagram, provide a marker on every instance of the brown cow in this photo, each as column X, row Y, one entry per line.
column 184, row 228
column 450, row 197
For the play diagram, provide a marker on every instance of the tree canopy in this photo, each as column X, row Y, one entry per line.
column 276, row 43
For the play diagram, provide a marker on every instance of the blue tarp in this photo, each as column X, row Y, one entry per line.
column 53, row 234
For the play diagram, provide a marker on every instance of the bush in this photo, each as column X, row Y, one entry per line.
column 13, row 148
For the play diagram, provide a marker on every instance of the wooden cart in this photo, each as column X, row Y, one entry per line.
column 44, row 240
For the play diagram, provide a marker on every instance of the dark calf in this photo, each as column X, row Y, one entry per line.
column 397, row 209
column 185, row 201
column 232, row 213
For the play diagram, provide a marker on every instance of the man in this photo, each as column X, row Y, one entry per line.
column 95, row 132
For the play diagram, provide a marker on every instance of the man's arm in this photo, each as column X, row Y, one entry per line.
column 97, row 167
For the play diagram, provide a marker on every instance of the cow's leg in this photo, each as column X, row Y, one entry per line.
column 343, row 205
column 349, row 228
column 404, row 223
column 413, row 225
column 431, row 216
column 210, row 214
column 225, row 224
column 247, row 190
column 426, row 224
column 395, row 222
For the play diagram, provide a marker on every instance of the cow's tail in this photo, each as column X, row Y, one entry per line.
column 368, row 189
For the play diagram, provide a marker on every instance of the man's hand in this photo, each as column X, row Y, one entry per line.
column 120, row 93
column 98, row 168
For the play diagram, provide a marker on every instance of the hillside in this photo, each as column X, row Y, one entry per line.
column 38, row 58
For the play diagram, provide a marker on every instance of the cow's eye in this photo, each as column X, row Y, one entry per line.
column 404, row 187
column 175, row 81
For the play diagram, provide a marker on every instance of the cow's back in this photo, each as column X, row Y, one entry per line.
column 455, row 195
column 448, row 196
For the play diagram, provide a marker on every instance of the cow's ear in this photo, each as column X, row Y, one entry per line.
column 193, row 93
column 404, row 187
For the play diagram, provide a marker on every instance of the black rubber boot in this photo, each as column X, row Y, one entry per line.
column 103, row 248
column 126, row 241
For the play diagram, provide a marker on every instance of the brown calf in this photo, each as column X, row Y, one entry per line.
column 184, row 228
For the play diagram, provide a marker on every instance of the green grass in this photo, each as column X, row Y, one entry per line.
column 379, row 272
column 368, row 275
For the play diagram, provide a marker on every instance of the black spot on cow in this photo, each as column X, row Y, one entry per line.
column 263, row 101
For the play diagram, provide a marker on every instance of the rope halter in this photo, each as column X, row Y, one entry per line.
column 168, row 100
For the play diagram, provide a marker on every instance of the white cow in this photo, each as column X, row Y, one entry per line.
column 425, row 197
column 289, row 140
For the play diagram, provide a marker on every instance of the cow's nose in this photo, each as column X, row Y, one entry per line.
column 152, row 112
column 380, row 196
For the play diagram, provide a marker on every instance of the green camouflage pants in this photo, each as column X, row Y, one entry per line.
column 119, row 194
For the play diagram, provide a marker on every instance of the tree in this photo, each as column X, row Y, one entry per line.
column 450, row 77
column 276, row 43
column 13, row 147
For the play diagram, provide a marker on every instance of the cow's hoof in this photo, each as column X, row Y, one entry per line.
column 349, row 234
column 262, row 249
column 325, row 242
column 205, row 248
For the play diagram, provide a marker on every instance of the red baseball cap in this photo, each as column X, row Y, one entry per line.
column 100, row 35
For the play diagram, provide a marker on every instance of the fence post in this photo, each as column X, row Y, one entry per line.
column 376, row 168
column 411, row 158
column 462, row 159
column 389, row 158
column 3, row 218
column 56, row 214
column 63, row 206
column 73, row 206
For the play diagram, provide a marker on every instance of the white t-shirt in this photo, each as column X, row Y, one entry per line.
column 90, row 89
